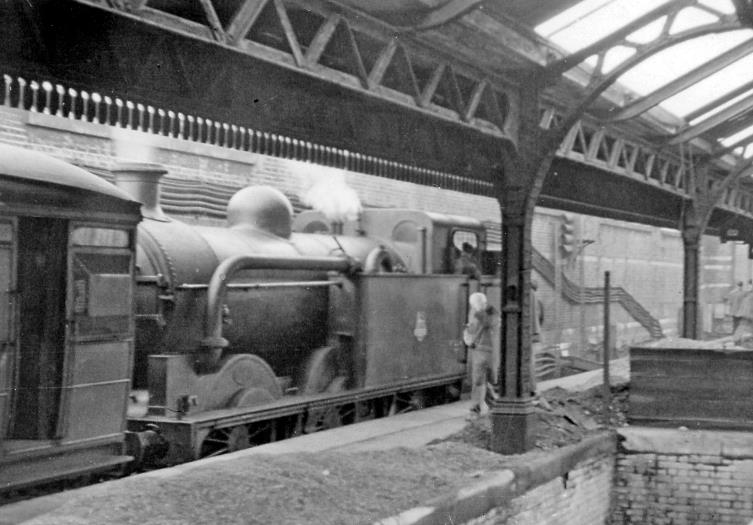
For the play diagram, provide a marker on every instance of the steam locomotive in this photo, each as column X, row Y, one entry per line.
column 129, row 338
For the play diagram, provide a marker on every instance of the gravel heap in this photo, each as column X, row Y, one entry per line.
column 562, row 418
column 326, row 488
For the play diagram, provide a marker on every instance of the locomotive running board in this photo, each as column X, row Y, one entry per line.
column 187, row 431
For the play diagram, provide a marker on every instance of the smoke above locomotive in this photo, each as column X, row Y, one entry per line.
column 327, row 191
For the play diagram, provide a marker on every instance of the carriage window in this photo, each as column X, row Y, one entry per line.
column 464, row 253
column 102, row 237
column 102, row 293
column 6, row 232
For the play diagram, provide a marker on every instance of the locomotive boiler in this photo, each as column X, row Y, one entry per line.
column 255, row 332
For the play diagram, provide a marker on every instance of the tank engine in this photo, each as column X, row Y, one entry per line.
column 254, row 329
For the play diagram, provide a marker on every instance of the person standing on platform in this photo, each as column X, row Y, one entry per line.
column 537, row 319
column 735, row 300
column 744, row 328
column 483, row 320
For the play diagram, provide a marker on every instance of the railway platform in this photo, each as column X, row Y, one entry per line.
column 410, row 430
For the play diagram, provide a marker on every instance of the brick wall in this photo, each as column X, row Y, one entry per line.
column 668, row 476
column 570, row 485
column 580, row 497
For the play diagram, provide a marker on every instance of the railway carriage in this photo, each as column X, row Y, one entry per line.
column 67, row 244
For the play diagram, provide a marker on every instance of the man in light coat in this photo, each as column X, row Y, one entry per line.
column 483, row 322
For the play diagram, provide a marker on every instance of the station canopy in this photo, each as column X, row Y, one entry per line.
column 672, row 72
column 685, row 66
column 700, row 69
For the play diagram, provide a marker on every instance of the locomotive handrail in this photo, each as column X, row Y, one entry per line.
column 213, row 341
column 254, row 286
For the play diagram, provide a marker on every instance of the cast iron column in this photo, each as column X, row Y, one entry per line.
column 512, row 415
column 518, row 188
column 691, row 241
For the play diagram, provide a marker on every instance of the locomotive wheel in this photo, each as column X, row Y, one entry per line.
column 328, row 417
column 225, row 440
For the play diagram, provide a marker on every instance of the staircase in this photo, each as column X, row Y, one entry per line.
column 594, row 295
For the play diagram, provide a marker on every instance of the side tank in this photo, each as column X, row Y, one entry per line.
column 280, row 315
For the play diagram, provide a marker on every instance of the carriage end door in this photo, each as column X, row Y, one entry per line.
column 99, row 332
column 7, row 318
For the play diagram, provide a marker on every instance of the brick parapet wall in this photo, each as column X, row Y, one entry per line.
column 567, row 486
column 582, row 497
column 669, row 476
column 100, row 146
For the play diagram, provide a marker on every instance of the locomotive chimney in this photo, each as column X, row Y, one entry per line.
column 141, row 180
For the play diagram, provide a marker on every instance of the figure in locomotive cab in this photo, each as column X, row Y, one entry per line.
column 466, row 262
column 478, row 333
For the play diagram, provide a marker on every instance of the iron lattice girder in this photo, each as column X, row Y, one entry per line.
column 592, row 144
column 595, row 145
column 397, row 51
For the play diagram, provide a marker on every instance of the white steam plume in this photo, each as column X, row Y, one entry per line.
column 325, row 190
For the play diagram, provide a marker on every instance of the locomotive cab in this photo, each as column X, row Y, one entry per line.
column 429, row 243
column 67, row 241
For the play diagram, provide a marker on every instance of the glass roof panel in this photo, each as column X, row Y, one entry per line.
column 649, row 32
column 591, row 20
column 737, row 137
column 665, row 66
column 616, row 56
column 723, row 6
column 690, row 18
column 720, row 107
column 712, row 87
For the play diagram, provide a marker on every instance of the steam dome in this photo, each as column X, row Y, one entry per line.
column 261, row 207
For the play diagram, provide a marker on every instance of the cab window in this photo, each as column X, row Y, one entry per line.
column 465, row 253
